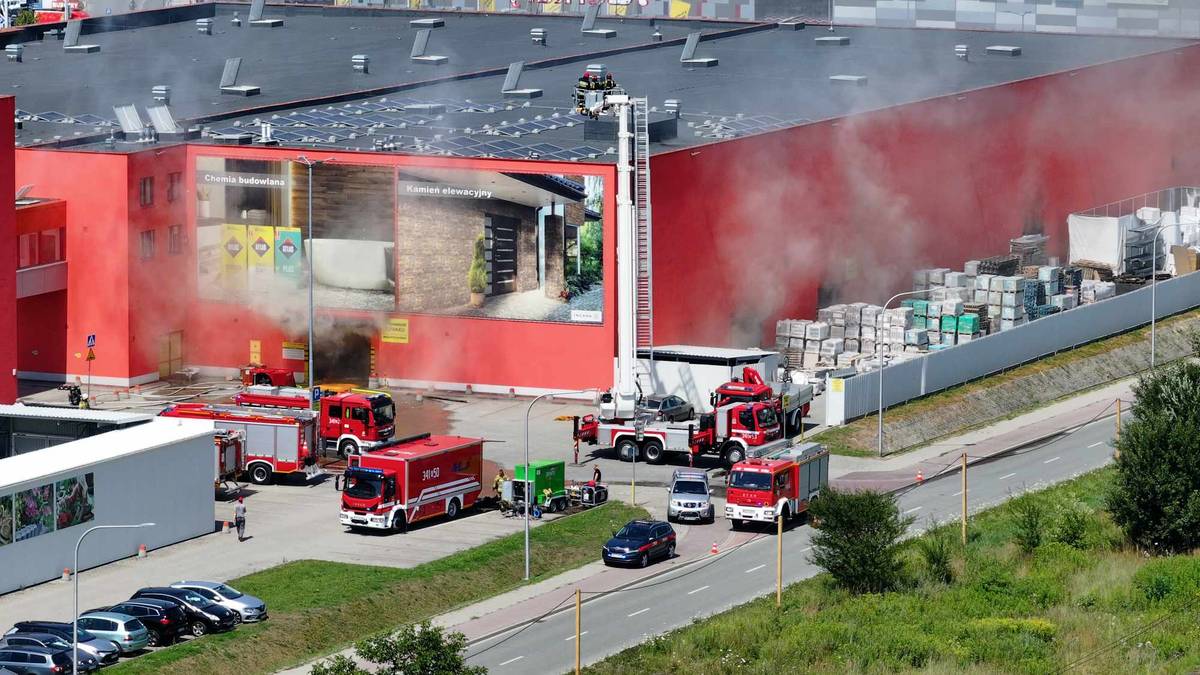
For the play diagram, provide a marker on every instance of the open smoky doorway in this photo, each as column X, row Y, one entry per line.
column 343, row 352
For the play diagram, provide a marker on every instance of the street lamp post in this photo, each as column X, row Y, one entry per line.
column 830, row 16
column 75, row 571
column 1154, row 290
column 312, row 373
column 879, row 358
column 528, row 501
column 1014, row 13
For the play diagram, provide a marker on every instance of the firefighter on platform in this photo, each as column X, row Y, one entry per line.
column 609, row 83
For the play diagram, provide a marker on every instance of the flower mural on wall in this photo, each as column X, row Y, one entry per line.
column 75, row 500
column 35, row 512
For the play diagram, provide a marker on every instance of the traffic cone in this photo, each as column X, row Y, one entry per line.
column 66, row 574
column 920, row 476
column 142, row 551
column 512, row 393
column 714, row 550
column 225, row 526
column 469, row 390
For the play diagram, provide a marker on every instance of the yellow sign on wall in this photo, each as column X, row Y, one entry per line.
column 295, row 351
column 233, row 256
column 256, row 352
column 837, row 385
column 680, row 9
column 396, row 332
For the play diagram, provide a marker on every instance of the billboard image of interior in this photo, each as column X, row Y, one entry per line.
column 407, row 239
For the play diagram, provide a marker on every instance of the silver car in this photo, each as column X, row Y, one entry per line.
column 87, row 662
column 689, row 497
column 248, row 607
column 128, row 632
column 104, row 651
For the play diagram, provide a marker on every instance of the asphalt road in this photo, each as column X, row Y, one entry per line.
column 624, row 618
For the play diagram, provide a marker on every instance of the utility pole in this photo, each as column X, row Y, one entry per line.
column 964, row 499
column 1117, row 440
column 779, row 560
column 578, row 622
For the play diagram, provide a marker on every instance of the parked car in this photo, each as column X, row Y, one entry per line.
column 86, row 661
column 104, row 651
column 669, row 408
column 41, row 661
column 204, row 616
column 639, row 542
column 688, row 498
column 126, row 631
column 166, row 620
column 248, row 607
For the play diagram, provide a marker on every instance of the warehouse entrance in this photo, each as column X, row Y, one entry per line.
column 343, row 354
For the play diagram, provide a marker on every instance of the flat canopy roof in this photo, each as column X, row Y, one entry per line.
column 766, row 78
column 72, row 414
column 76, row 456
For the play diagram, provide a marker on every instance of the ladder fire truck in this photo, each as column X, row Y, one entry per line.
column 348, row 422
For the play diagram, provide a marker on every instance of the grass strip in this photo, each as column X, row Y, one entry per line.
column 318, row 607
column 1005, row 611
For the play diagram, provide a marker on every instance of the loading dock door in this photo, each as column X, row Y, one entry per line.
column 170, row 354
column 500, row 233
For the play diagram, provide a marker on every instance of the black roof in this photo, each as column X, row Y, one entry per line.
column 766, row 78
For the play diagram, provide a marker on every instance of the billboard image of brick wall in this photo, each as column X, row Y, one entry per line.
column 499, row 245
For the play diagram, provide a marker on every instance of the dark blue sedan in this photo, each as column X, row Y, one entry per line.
column 639, row 542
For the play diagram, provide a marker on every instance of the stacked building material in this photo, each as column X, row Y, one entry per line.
column 1094, row 291
column 1002, row 265
column 1030, row 248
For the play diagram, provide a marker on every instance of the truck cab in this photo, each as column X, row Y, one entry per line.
column 779, row 485
column 734, row 428
column 352, row 422
column 372, row 492
column 791, row 400
column 262, row 375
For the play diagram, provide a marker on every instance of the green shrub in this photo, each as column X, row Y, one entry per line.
column 1171, row 579
column 936, row 549
column 1029, row 522
column 1072, row 526
column 859, row 540
column 477, row 275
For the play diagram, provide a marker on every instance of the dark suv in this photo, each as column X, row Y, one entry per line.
column 42, row 661
column 105, row 651
column 639, row 542
column 203, row 615
column 166, row 620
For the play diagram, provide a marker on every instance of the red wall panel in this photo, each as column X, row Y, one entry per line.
column 755, row 226
column 94, row 186
column 8, row 258
column 42, row 334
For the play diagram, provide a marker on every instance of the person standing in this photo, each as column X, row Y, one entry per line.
column 498, row 483
column 596, row 474
column 239, row 519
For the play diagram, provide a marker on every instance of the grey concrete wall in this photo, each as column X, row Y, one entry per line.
column 170, row 486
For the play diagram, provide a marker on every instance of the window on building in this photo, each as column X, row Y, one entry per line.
column 147, row 191
column 175, row 239
column 174, row 185
column 50, row 246
column 147, row 240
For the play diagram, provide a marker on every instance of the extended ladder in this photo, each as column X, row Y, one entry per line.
column 644, row 293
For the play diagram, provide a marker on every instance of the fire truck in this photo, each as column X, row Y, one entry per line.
column 791, row 400
column 262, row 375
column 229, row 462
column 349, row 422
column 275, row 441
column 782, row 483
column 419, row 477
column 732, row 431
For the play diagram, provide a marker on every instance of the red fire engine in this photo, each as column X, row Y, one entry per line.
column 732, row 431
column 349, row 422
column 417, row 478
column 276, row 441
column 229, row 462
column 782, row 483
column 277, row 377
column 787, row 397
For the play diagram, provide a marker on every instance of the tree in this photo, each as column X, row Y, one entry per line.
column 859, row 539
column 25, row 17
column 417, row 649
column 1155, row 497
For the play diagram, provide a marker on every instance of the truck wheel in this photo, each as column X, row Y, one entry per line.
column 452, row 509
column 347, row 448
column 786, row 512
column 398, row 523
column 733, row 453
column 260, row 474
column 627, row 448
column 735, row 523
column 654, row 452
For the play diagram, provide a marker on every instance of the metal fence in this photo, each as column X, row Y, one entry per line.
column 853, row 397
column 1168, row 199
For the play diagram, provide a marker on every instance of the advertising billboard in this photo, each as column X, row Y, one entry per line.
column 47, row 508
column 401, row 240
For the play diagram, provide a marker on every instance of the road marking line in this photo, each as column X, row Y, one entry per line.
column 1007, row 476
column 956, row 494
column 581, row 634
column 640, row 611
column 756, row 568
column 702, row 588
column 913, row 509
column 1052, row 459
column 512, row 660
column 1096, row 443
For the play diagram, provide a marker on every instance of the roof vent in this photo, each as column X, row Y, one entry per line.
column 427, row 23
column 236, row 20
column 589, row 23
column 204, row 26
column 792, row 25
column 71, row 40
column 361, row 63
column 856, row 80
column 14, row 52
column 962, row 52
column 689, row 58
column 511, row 81
column 129, row 119
column 538, row 35
column 256, row 16
column 1004, row 50
column 673, row 106
column 161, row 93
column 163, row 122
column 418, row 55
column 833, row 41
column 229, row 78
